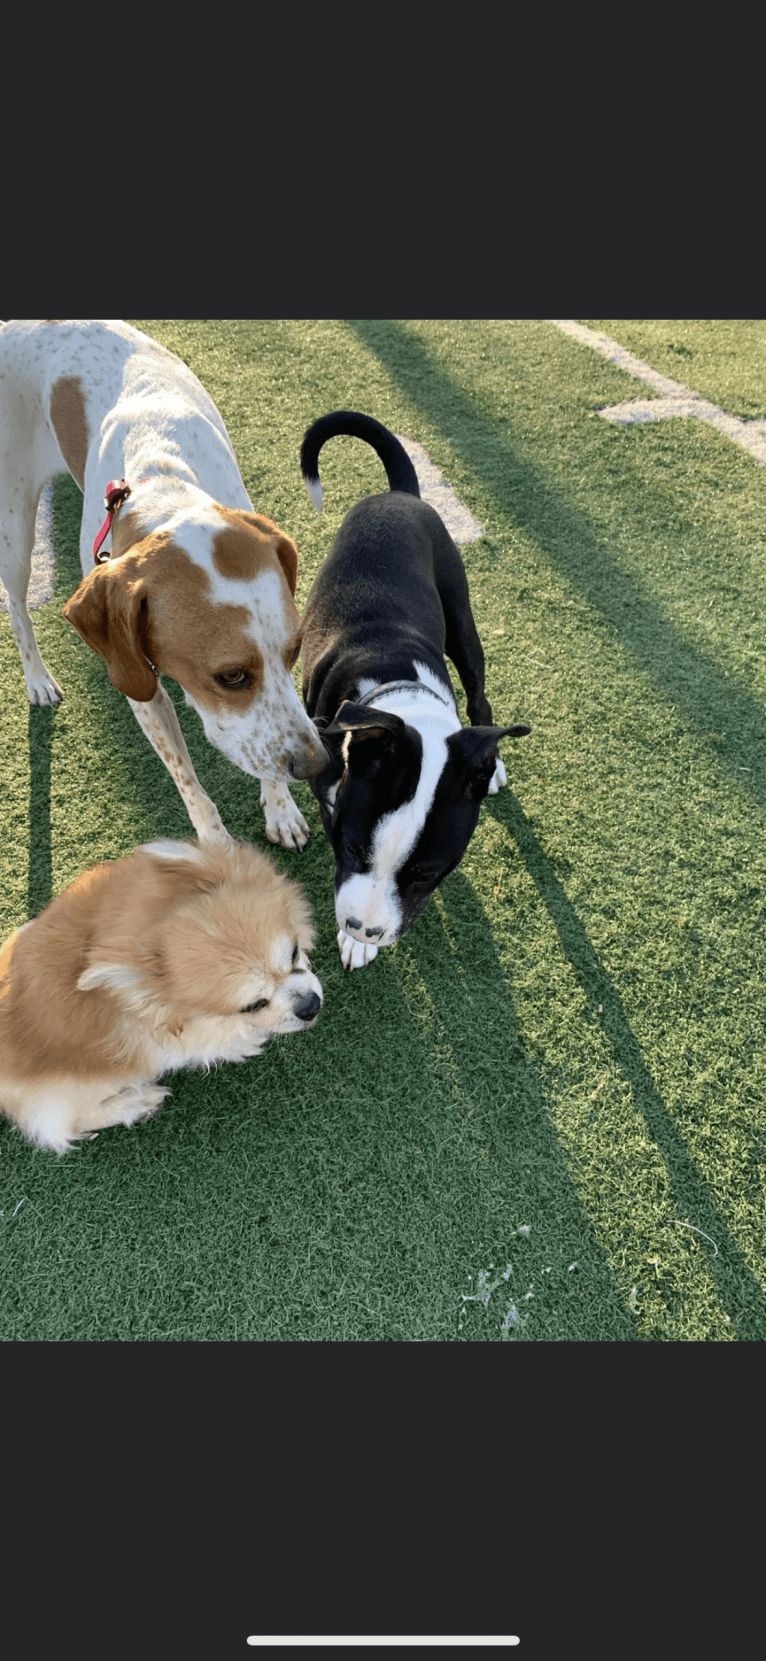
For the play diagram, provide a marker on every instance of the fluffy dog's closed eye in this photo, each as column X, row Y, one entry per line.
column 177, row 956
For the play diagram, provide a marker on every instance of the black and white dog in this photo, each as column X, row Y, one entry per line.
column 400, row 797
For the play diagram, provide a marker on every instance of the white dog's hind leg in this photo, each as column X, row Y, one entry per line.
column 42, row 688
column 17, row 535
column 159, row 721
column 285, row 824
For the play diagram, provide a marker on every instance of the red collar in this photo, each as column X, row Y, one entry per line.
column 116, row 492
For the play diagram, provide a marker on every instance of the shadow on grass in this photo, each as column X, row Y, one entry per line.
column 486, row 1088
column 41, row 719
column 738, row 1288
column 712, row 705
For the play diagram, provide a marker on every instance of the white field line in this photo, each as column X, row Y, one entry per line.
column 434, row 489
column 675, row 399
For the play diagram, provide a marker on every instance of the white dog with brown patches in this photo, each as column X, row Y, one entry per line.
column 177, row 956
column 198, row 586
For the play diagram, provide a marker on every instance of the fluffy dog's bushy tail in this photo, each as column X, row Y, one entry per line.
column 399, row 468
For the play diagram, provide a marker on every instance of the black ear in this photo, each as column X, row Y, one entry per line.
column 363, row 719
column 374, row 734
column 474, row 750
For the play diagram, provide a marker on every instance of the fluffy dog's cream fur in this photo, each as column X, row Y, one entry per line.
column 143, row 966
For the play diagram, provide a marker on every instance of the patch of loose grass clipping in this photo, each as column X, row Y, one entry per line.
column 540, row 1116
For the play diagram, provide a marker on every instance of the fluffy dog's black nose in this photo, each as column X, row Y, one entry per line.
column 308, row 1007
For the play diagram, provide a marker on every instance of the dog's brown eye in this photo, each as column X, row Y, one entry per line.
column 295, row 952
column 232, row 679
column 260, row 1003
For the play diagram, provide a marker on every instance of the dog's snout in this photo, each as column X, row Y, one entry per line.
column 308, row 1007
column 308, row 760
column 355, row 927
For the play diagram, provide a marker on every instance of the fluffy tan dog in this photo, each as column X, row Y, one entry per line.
column 180, row 955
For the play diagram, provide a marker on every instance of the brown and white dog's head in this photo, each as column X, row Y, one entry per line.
column 206, row 595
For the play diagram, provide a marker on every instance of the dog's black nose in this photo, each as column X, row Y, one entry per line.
column 354, row 923
column 308, row 1007
column 373, row 934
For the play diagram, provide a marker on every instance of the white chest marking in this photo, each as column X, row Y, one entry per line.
column 372, row 896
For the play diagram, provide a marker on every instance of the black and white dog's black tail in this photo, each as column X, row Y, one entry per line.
column 401, row 473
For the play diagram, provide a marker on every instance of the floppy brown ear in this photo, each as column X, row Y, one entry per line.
column 287, row 554
column 108, row 610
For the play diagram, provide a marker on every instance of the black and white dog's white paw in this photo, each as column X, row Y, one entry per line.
column 498, row 779
column 354, row 954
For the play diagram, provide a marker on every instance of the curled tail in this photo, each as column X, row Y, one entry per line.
column 399, row 468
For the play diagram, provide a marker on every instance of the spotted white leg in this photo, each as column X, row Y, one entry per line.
column 354, row 954
column 41, row 686
column 15, row 569
column 285, row 824
column 159, row 721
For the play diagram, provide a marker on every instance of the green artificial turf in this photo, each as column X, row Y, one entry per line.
column 548, row 1098
column 724, row 361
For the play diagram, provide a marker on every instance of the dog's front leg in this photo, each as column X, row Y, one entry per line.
column 159, row 721
column 285, row 824
column 467, row 653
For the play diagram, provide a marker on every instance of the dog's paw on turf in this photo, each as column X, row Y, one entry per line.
column 354, row 954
